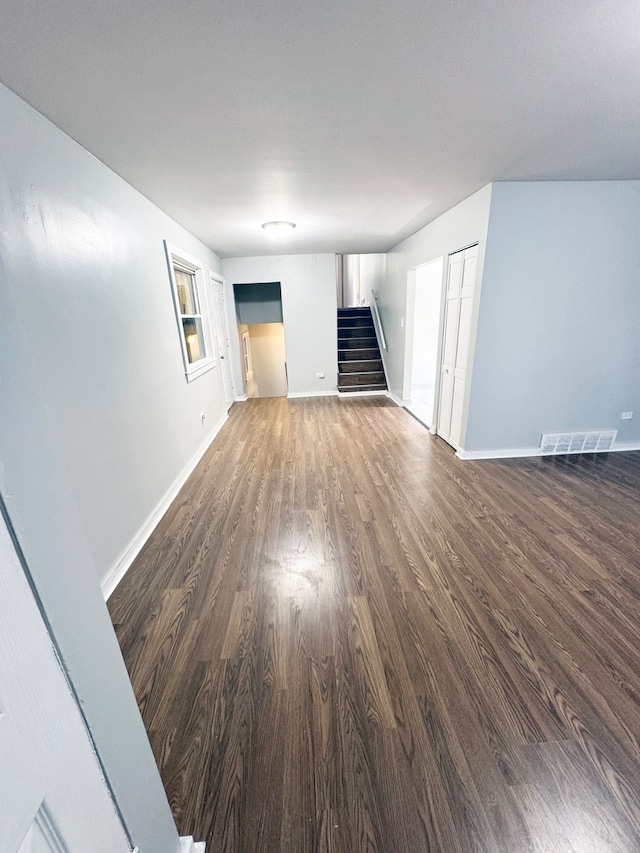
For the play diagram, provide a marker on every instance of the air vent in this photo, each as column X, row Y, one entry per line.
column 577, row 442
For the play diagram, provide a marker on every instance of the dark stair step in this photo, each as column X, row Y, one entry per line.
column 355, row 380
column 361, row 366
column 355, row 322
column 357, row 343
column 345, row 388
column 358, row 354
column 356, row 332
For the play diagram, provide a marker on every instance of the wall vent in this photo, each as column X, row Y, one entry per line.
column 557, row 443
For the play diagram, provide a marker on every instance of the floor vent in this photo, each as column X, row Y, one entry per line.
column 577, row 442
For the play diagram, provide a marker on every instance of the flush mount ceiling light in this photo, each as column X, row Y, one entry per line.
column 278, row 229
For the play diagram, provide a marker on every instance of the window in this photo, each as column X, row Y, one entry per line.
column 187, row 282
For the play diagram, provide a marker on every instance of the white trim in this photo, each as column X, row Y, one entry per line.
column 293, row 394
column 381, row 393
column 396, row 400
column 204, row 365
column 499, row 453
column 124, row 561
column 177, row 258
column 520, row 452
column 188, row 845
column 240, row 398
column 627, row 445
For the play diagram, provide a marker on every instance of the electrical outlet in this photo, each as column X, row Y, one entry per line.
column 626, row 416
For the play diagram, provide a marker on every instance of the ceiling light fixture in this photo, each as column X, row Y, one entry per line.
column 278, row 229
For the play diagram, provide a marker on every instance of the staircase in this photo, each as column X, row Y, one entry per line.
column 359, row 361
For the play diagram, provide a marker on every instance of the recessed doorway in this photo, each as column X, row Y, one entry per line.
column 262, row 340
column 424, row 300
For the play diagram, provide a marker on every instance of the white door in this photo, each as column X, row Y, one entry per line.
column 220, row 334
column 461, row 280
column 53, row 797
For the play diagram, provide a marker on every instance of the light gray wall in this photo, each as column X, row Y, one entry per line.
column 309, row 307
column 464, row 224
column 558, row 341
column 373, row 272
column 96, row 418
column 268, row 358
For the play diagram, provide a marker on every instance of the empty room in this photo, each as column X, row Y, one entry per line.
column 319, row 427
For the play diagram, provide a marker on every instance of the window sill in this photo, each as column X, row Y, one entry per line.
column 202, row 366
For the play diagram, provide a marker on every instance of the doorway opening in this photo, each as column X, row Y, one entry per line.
column 262, row 340
column 424, row 307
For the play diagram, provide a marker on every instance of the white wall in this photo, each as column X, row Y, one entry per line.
column 464, row 224
column 558, row 342
column 268, row 358
column 373, row 272
column 309, row 307
column 96, row 418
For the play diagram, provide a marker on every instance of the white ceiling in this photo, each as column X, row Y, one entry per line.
column 360, row 121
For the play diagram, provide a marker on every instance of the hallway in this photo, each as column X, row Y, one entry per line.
column 344, row 639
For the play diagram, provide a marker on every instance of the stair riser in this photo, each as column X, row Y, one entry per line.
column 356, row 332
column 358, row 354
column 360, row 379
column 357, row 388
column 356, row 343
column 354, row 322
column 374, row 365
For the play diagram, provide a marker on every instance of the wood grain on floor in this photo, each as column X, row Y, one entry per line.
column 344, row 639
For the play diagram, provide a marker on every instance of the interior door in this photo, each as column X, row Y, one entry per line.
column 220, row 334
column 461, row 280
column 53, row 797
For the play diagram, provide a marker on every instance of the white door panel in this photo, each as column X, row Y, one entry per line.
column 464, row 333
column 53, row 797
column 450, row 332
column 218, row 317
column 43, row 836
column 461, row 279
column 456, row 411
column 454, row 277
column 446, row 399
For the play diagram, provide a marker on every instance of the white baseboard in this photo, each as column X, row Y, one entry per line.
column 626, row 446
column 396, row 400
column 521, row 452
column 499, row 453
column 240, row 398
column 295, row 394
column 124, row 561
column 188, row 845
column 362, row 393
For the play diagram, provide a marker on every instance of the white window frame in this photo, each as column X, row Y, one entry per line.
column 176, row 257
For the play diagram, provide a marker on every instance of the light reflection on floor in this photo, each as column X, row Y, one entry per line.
column 421, row 405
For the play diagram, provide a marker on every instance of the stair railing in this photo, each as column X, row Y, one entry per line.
column 378, row 322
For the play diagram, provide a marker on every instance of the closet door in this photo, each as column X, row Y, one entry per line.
column 461, row 279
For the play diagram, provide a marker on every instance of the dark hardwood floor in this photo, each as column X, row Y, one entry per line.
column 344, row 639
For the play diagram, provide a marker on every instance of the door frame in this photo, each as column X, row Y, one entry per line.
column 225, row 369
column 61, row 794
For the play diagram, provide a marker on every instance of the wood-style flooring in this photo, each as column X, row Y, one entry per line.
column 342, row 638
